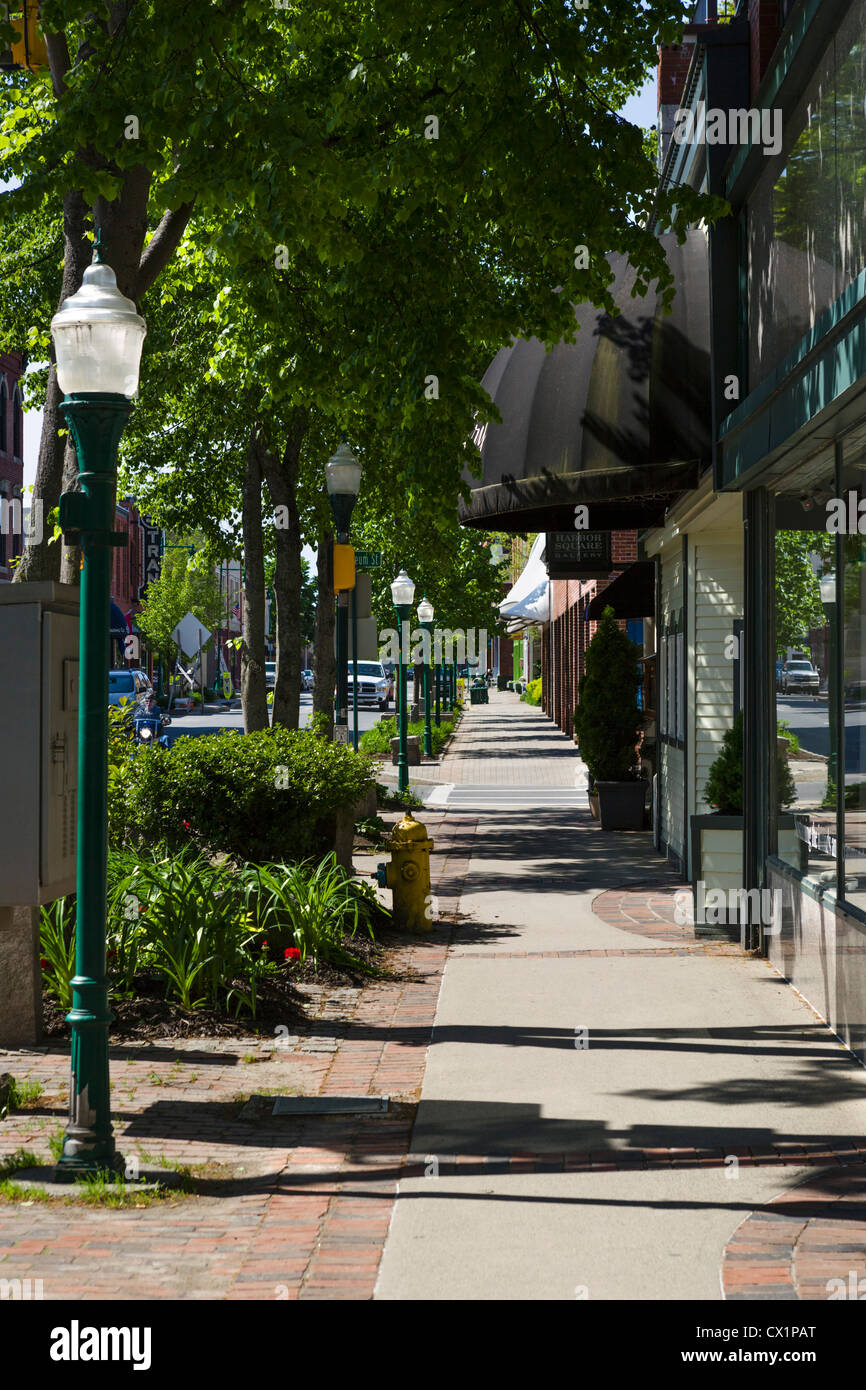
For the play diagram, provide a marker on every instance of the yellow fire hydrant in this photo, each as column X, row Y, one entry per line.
column 408, row 875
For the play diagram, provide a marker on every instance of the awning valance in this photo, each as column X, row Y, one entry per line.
column 618, row 421
column 630, row 595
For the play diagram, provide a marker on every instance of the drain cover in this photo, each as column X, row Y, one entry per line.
column 330, row 1105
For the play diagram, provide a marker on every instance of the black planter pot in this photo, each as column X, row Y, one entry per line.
column 620, row 805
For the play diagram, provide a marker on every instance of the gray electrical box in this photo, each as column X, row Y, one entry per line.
column 38, row 741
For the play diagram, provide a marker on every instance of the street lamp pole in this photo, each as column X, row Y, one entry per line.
column 438, row 691
column 402, row 595
column 425, row 620
column 98, row 337
column 343, row 478
column 828, row 602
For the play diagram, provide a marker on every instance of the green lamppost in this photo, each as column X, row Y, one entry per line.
column 828, row 602
column 402, row 595
column 98, row 338
column 343, row 478
column 425, row 620
column 438, row 691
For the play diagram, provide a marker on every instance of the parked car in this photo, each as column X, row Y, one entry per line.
column 306, row 680
column 375, row 686
column 800, row 675
column 270, row 674
column 127, row 683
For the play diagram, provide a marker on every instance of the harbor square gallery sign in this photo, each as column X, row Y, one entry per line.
column 578, row 554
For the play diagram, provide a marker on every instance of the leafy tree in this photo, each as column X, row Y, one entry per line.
column 308, row 127
column 185, row 585
column 798, row 592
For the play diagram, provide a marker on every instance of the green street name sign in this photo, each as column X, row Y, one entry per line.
column 368, row 559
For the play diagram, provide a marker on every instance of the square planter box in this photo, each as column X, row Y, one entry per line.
column 620, row 805
column 717, row 864
column 413, row 750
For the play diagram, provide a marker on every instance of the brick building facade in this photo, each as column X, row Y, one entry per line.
column 567, row 636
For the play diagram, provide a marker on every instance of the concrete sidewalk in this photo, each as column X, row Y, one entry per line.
column 601, row 1110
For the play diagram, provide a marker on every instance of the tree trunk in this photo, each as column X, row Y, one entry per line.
column 254, row 697
column 324, row 658
column 57, row 459
column 281, row 476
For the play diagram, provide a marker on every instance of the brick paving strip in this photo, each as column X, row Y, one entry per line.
column 809, row 1243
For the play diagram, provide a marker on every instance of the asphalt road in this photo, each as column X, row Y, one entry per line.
column 808, row 720
column 195, row 725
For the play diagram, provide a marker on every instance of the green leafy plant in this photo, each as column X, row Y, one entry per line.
column 316, row 905
column 57, row 946
column 724, row 786
column 378, row 739
column 784, row 731
column 607, row 720
column 532, row 694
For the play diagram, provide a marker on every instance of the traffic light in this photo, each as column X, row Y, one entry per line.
column 28, row 50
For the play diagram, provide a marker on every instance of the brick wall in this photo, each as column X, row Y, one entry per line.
column 764, row 29
column 572, row 635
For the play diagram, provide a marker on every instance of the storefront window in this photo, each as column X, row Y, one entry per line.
column 807, row 215
column 805, row 675
column 853, row 619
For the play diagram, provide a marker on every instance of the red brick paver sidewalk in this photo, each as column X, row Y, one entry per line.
column 809, row 1243
column 287, row 1207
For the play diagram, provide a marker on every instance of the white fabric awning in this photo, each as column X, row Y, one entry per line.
column 528, row 599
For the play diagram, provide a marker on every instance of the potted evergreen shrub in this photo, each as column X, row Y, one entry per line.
column 717, row 836
column 608, row 722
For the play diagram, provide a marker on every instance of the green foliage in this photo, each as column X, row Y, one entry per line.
column 212, row 932
column 607, row 720
column 378, row 739
column 314, row 906
column 724, row 786
column 783, row 729
column 185, row 585
column 269, row 795
column 57, row 941
column 532, row 693
column 798, row 592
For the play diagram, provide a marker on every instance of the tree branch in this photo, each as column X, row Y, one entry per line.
column 162, row 246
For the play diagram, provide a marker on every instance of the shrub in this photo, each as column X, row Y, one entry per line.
column 607, row 720
column 271, row 795
column 532, row 695
column 724, row 788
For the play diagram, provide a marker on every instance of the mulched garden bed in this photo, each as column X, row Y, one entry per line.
column 149, row 1015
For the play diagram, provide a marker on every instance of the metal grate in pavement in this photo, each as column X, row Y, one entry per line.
column 330, row 1105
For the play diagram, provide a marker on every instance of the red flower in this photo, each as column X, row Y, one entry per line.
column 111, row 955
column 44, row 962
column 292, row 953
column 186, row 825
column 264, row 945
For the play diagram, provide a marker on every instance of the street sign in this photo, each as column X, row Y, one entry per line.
column 368, row 559
column 341, row 733
column 151, row 562
column 190, row 634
